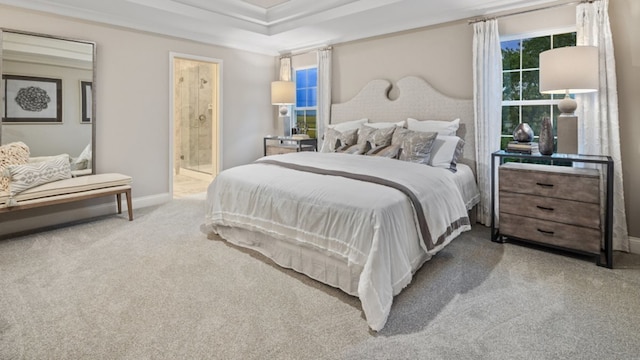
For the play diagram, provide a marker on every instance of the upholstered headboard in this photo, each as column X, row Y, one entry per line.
column 417, row 99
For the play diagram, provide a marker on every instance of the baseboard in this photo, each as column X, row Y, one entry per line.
column 43, row 217
column 634, row 245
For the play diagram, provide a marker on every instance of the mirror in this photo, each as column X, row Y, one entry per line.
column 48, row 96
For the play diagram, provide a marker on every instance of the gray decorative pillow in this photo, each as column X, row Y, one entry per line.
column 399, row 135
column 353, row 149
column 30, row 175
column 334, row 139
column 415, row 146
column 371, row 138
column 391, row 151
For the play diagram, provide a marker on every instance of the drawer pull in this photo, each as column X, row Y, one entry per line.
column 546, row 232
column 544, row 185
column 544, row 208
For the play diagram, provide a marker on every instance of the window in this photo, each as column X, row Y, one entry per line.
column 306, row 100
column 521, row 98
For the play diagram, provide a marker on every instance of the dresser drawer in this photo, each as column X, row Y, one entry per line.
column 549, row 232
column 551, row 181
column 283, row 149
column 558, row 210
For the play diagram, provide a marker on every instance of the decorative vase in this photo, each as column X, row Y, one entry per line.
column 545, row 141
column 523, row 133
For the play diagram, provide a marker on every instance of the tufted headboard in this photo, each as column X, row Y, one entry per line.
column 417, row 99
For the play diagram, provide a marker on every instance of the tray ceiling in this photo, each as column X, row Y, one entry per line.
column 274, row 26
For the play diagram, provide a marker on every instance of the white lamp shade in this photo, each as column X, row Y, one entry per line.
column 283, row 93
column 569, row 70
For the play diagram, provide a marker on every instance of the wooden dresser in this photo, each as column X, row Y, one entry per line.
column 551, row 205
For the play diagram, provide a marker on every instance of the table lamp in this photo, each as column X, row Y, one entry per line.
column 283, row 93
column 568, row 70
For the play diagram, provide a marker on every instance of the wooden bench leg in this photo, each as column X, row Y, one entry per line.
column 129, row 207
column 119, row 202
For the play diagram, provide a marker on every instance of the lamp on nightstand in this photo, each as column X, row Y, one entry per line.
column 568, row 70
column 283, row 93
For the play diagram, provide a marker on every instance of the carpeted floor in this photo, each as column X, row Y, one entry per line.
column 157, row 288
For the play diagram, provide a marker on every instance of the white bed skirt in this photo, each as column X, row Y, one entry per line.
column 325, row 266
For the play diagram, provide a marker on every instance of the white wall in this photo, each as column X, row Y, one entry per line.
column 132, row 94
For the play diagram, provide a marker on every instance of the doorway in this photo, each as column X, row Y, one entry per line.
column 195, row 124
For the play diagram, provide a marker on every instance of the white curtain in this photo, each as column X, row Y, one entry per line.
column 324, row 91
column 285, row 75
column 487, row 102
column 599, row 132
column 285, row 69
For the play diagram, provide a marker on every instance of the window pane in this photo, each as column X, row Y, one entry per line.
column 511, row 86
column 533, row 116
column 311, row 97
column 301, row 98
column 311, row 123
column 510, row 55
column 301, row 79
column 531, row 49
column 312, row 77
column 530, row 86
column 562, row 40
column 510, row 119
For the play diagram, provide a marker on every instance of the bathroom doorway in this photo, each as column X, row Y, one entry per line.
column 195, row 125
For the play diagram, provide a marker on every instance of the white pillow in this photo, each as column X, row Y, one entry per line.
column 348, row 125
column 441, row 127
column 30, row 175
column 384, row 125
column 446, row 151
column 85, row 155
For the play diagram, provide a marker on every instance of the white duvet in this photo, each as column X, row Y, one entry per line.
column 366, row 224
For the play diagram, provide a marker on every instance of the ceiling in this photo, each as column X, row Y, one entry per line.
column 274, row 26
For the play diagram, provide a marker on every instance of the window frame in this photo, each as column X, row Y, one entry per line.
column 306, row 109
column 552, row 102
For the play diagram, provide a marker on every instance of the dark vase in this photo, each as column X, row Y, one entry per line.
column 545, row 141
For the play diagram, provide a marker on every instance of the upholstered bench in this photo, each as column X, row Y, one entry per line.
column 69, row 190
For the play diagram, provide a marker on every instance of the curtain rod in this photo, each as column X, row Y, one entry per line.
column 473, row 21
column 302, row 52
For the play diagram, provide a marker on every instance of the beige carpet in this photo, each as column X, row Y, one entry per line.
column 157, row 288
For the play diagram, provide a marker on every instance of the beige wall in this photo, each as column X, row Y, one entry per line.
column 443, row 56
column 133, row 99
column 440, row 54
column 625, row 26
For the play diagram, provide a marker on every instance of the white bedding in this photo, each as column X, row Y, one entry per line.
column 367, row 226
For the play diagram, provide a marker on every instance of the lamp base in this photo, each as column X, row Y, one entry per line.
column 286, row 124
column 567, row 134
column 567, row 106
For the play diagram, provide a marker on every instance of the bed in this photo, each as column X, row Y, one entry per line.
column 363, row 224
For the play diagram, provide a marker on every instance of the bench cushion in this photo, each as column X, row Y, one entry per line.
column 70, row 186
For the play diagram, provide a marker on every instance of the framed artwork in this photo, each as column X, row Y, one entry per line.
column 87, row 102
column 30, row 99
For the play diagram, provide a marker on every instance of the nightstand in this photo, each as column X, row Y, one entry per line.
column 555, row 206
column 285, row 144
